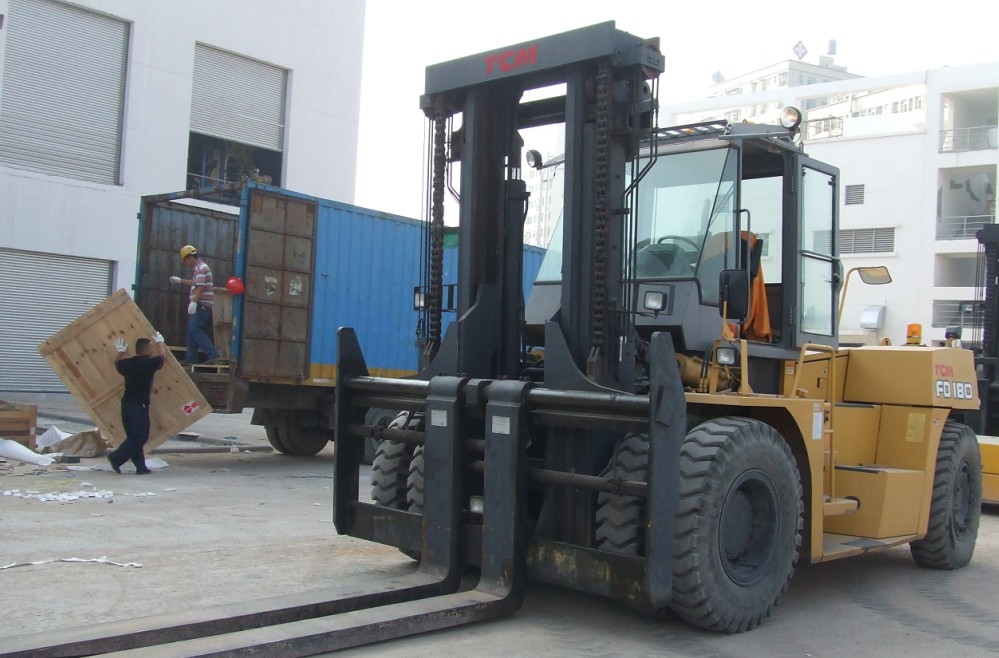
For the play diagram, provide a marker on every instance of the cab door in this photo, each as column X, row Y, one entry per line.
column 818, row 265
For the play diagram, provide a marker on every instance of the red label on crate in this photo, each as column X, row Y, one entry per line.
column 190, row 408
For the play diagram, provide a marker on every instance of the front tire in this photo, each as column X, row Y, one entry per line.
column 738, row 524
column 956, row 506
column 620, row 518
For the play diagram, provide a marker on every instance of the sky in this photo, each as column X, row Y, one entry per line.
column 403, row 37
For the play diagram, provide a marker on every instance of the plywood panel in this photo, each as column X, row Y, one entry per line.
column 83, row 354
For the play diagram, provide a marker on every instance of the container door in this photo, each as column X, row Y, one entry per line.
column 280, row 249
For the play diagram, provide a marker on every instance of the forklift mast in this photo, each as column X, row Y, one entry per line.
column 607, row 108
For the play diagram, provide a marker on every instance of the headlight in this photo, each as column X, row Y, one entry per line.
column 790, row 117
column 655, row 301
column 725, row 356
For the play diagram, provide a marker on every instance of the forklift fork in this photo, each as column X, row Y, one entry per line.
column 321, row 621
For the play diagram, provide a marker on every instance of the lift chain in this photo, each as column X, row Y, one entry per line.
column 601, row 205
column 435, row 288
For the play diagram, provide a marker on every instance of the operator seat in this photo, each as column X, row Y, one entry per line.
column 757, row 324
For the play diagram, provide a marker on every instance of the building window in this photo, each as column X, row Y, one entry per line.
column 237, row 119
column 854, row 195
column 63, row 91
column 782, row 79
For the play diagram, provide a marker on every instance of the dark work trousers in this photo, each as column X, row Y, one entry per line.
column 135, row 418
column 198, row 326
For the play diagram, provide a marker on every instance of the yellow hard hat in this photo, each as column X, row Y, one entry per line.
column 188, row 250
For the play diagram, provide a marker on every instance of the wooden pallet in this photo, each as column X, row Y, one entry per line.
column 82, row 354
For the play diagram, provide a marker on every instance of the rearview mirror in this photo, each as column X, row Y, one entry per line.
column 733, row 288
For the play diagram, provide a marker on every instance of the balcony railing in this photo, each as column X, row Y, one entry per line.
column 953, row 313
column 978, row 138
column 962, row 228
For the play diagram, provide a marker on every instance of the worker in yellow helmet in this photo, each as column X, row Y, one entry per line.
column 199, row 308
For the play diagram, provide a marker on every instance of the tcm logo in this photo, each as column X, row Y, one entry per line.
column 511, row 59
column 956, row 390
column 943, row 370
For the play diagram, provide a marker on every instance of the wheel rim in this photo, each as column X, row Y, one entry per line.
column 749, row 527
column 962, row 498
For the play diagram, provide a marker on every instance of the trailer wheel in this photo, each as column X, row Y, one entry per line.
column 301, row 434
column 738, row 524
column 620, row 519
column 956, row 505
column 274, row 438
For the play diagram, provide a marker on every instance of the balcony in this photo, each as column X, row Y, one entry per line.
column 978, row 138
column 962, row 227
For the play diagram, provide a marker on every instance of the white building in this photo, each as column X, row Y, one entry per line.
column 918, row 159
column 104, row 101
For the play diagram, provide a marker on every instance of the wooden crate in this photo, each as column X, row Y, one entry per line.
column 17, row 422
column 83, row 354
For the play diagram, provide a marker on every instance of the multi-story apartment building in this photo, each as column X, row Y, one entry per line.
column 104, row 101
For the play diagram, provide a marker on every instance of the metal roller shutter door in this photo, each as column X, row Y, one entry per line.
column 63, row 91
column 238, row 99
column 41, row 294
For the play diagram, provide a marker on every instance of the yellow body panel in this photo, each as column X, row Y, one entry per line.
column 857, row 434
column 921, row 376
column 890, row 502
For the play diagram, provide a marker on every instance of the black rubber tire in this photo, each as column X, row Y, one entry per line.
column 299, row 437
column 389, row 472
column 621, row 519
column 274, row 438
column 956, row 505
column 738, row 524
column 415, row 482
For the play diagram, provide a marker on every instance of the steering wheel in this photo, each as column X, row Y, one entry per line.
column 665, row 260
column 679, row 238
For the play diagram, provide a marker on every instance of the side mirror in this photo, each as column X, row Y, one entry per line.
column 733, row 287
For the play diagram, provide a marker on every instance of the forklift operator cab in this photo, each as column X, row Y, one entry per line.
column 706, row 184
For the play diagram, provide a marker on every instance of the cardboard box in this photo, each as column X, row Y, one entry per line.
column 83, row 355
column 17, row 422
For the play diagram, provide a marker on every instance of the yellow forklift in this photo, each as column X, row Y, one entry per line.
column 668, row 421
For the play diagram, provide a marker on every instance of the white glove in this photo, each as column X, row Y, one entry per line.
column 175, row 279
column 119, row 344
column 157, row 337
column 192, row 308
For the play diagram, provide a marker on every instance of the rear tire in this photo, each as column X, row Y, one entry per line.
column 738, row 524
column 621, row 519
column 956, row 506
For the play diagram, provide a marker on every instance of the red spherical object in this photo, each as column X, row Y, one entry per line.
column 235, row 285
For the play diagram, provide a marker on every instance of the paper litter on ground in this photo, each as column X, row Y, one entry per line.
column 100, row 560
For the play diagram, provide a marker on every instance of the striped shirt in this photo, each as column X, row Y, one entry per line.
column 202, row 276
